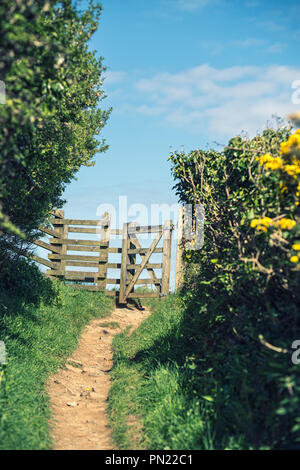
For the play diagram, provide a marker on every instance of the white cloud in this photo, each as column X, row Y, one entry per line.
column 112, row 77
column 221, row 102
column 191, row 5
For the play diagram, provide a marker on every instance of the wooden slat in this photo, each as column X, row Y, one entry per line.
column 97, row 223
column 147, row 281
column 81, row 278
column 143, row 295
column 112, row 281
column 43, row 261
column 70, row 241
column 116, row 231
column 139, row 251
column 94, row 249
column 114, row 250
column 87, row 264
column 85, row 230
column 143, row 264
column 46, row 246
column 83, row 273
column 148, row 266
column 49, row 231
column 78, row 257
column 145, row 229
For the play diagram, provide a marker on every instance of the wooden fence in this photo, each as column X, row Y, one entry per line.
column 67, row 252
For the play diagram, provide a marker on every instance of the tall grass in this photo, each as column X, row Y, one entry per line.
column 38, row 340
column 153, row 402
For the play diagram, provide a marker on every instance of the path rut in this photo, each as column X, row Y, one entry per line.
column 78, row 393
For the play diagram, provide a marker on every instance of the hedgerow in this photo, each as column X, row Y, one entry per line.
column 241, row 292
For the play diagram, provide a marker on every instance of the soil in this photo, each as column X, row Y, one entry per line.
column 78, row 392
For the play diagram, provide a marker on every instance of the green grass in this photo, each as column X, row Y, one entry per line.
column 38, row 342
column 112, row 324
column 151, row 388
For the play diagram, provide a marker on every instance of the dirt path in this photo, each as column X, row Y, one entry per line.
column 78, row 393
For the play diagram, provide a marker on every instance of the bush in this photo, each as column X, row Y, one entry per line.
column 241, row 290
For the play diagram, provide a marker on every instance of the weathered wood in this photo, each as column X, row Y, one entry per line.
column 148, row 266
column 112, row 281
column 135, row 241
column 147, row 281
column 49, row 231
column 46, row 246
column 87, row 264
column 94, row 249
column 62, row 229
column 98, row 223
column 179, row 253
column 70, row 241
column 103, row 256
column 84, row 273
column 143, row 264
column 80, row 278
column 123, row 274
column 166, row 257
column 43, row 261
column 100, row 258
column 145, row 229
column 85, row 230
column 143, row 251
column 143, row 295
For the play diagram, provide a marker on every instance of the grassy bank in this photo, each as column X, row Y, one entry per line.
column 154, row 402
column 171, row 391
column 38, row 340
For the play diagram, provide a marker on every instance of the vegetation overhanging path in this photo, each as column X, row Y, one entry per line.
column 78, row 393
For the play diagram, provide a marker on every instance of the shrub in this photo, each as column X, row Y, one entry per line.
column 241, row 290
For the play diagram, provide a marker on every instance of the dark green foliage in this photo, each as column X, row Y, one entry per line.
column 242, row 293
column 38, row 340
column 51, row 117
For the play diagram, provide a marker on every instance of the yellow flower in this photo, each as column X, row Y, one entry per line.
column 261, row 227
column 272, row 163
column 261, row 224
column 294, row 259
column 286, row 223
column 293, row 143
column 296, row 246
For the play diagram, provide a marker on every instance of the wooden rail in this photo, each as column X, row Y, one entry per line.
column 66, row 252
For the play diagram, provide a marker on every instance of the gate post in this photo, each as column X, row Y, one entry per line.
column 61, row 228
column 103, row 253
column 123, row 275
column 179, row 260
column 165, row 281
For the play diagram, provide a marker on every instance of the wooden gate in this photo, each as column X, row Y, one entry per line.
column 131, row 271
column 64, row 254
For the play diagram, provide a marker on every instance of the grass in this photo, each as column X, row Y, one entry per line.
column 151, row 382
column 38, row 342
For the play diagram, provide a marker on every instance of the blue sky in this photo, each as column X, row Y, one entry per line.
column 183, row 74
